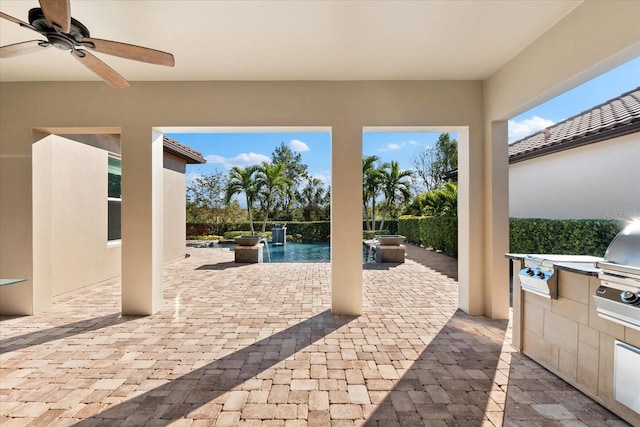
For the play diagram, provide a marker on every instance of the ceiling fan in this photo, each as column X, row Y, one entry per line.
column 53, row 20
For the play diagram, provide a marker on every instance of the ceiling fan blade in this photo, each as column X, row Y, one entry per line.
column 22, row 48
column 130, row 51
column 107, row 73
column 57, row 12
column 17, row 21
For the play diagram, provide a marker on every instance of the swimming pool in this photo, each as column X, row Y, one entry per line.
column 308, row 252
column 298, row 252
column 301, row 252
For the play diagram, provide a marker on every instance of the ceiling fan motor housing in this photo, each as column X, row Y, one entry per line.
column 63, row 41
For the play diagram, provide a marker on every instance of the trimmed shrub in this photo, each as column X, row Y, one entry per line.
column 309, row 230
column 198, row 229
column 370, row 234
column 205, row 237
column 317, row 231
column 436, row 232
column 233, row 234
column 568, row 236
column 390, row 227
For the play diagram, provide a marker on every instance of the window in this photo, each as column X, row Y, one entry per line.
column 114, row 198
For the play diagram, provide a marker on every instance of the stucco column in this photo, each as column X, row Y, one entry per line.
column 470, row 225
column 142, row 214
column 518, row 302
column 496, row 272
column 346, row 224
column 16, row 227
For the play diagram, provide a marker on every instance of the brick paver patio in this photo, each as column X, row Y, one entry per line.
column 256, row 345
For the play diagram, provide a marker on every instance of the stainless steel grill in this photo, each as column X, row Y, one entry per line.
column 618, row 297
column 539, row 275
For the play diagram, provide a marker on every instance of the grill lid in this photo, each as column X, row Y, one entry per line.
column 624, row 249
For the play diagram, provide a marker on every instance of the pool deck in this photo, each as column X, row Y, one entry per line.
column 257, row 345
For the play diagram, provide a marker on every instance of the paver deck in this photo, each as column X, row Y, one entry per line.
column 257, row 345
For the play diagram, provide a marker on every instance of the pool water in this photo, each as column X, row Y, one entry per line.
column 304, row 252
column 298, row 252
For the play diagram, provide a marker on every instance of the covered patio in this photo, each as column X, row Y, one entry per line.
column 257, row 345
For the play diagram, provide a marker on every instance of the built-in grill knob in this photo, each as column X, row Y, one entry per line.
column 540, row 274
column 530, row 272
column 629, row 297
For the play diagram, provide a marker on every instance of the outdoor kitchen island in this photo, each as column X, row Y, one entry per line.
column 555, row 323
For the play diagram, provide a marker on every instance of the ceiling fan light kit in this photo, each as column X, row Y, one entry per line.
column 53, row 20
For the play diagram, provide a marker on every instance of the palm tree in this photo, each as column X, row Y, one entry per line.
column 271, row 178
column 371, row 177
column 395, row 186
column 313, row 198
column 241, row 181
column 443, row 201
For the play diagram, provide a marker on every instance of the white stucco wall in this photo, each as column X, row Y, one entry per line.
column 71, row 216
column 70, row 213
column 175, row 216
column 596, row 181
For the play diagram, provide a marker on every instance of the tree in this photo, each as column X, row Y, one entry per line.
column 371, row 180
column 442, row 201
column 205, row 198
column 314, row 200
column 241, row 181
column 396, row 187
column 432, row 163
column 295, row 171
column 271, row 179
column 418, row 206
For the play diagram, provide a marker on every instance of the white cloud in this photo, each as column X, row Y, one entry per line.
column 519, row 130
column 391, row 147
column 215, row 159
column 242, row 160
column 299, row 146
column 323, row 177
column 192, row 176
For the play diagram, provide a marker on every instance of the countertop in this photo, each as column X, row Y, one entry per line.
column 581, row 264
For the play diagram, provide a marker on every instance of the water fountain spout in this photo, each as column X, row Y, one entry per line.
column 266, row 245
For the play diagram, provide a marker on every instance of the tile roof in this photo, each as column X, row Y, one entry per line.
column 184, row 152
column 616, row 117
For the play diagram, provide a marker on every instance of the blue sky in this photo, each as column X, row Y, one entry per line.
column 225, row 150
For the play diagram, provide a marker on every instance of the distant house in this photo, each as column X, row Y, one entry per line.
column 77, row 227
column 585, row 167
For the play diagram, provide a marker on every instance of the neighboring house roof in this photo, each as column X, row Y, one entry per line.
column 616, row 117
column 182, row 151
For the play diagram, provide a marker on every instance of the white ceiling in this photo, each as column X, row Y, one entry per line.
column 294, row 40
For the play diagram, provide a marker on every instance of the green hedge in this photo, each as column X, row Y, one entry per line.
column 233, row 234
column 571, row 236
column 310, row 231
column 437, row 232
column 369, row 234
column 317, row 231
column 390, row 227
column 526, row 235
